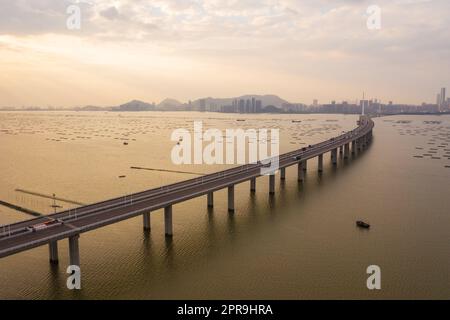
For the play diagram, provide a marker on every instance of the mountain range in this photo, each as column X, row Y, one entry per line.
column 167, row 104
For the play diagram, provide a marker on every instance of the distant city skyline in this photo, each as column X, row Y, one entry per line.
column 313, row 49
column 250, row 103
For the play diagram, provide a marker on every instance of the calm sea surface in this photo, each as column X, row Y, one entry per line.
column 301, row 243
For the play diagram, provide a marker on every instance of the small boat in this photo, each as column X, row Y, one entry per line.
column 125, row 143
column 362, row 224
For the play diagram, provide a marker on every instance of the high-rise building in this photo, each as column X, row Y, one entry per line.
column 241, row 105
column 258, row 106
column 247, row 106
column 364, row 104
column 202, row 105
column 442, row 96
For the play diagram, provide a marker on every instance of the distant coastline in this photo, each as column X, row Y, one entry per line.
column 256, row 104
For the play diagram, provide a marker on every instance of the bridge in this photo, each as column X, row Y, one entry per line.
column 69, row 224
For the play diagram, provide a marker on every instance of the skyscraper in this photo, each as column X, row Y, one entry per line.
column 258, row 106
column 442, row 105
column 247, row 106
column 202, row 105
column 241, row 105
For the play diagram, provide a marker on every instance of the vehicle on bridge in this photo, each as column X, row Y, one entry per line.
column 45, row 225
column 297, row 158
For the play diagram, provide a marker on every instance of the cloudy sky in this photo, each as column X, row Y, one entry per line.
column 186, row 49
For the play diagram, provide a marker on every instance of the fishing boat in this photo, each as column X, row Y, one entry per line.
column 362, row 224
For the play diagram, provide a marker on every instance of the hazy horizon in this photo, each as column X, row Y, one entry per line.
column 152, row 50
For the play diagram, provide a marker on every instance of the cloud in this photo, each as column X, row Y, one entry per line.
column 111, row 13
column 313, row 37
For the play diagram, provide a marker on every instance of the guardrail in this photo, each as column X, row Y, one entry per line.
column 365, row 126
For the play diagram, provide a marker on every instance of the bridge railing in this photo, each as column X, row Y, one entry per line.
column 363, row 127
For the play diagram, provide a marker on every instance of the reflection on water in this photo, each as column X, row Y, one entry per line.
column 300, row 243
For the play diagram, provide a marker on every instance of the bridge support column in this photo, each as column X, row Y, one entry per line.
column 146, row 218
column 210, row 200
column 283, row 173
column 301, row 172
column 341, row 149
column 353, row 147
column 320, row 163
column 231, row 198
column 305, row 165
column 346, row 150
column 358, row 145
column 53, row 251
column 168, row 221
column 272, row 183
column 74, row 251
column 253, row 185
column 334, row 156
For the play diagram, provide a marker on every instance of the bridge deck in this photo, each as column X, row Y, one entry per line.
column 100, row 214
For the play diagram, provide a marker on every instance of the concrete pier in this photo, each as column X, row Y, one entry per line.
column 210, row 200
column 231, row 198
column 341, row 149
column 272, row 184
column 53, row 252
column 74, row 251
column 320, row 163
column 146, row 220
column 168, row 221
column 283, row 173
column 305, row 165
column 301, row 171
column 346, row 150
column 334, row 156
column 253, row 185
column 353, row 147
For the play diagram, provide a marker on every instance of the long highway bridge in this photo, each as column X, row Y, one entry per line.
column 69, row 224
